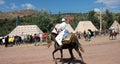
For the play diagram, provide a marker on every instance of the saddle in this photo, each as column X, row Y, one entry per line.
column 69, row 38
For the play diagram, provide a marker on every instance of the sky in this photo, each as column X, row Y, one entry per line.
column 63, row 6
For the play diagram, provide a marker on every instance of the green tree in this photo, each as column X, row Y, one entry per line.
column 43, row 20
column 108, row 18
column 91, row 17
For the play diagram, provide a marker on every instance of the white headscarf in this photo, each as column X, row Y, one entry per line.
column 63, row 19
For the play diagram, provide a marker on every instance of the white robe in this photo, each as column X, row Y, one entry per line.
column 60, row 28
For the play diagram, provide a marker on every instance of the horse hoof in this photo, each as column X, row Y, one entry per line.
column 84, row 63
column 54, row 59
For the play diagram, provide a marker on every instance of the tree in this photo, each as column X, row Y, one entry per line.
column 108, row 18
column 42, row 20
column 91, row 17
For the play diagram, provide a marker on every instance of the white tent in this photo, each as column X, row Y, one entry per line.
column 116, row 25
column 68, row 26
column 84, row 26
column 26, row 29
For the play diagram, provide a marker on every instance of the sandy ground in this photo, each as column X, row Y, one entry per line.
column 99, row 50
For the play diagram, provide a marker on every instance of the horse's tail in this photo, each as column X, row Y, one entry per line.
column 81, row 49
column 79, row 45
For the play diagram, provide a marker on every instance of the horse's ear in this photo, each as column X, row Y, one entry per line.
column 48, row 37
column 49, row 44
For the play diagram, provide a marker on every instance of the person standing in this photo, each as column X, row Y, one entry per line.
column 22, row 37
column 35, row 39
column 6, row 41
column 88, row 35
column 3, row 40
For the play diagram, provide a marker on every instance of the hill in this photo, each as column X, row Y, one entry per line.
column 13, row 14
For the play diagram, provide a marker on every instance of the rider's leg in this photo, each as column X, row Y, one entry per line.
column 59, row 39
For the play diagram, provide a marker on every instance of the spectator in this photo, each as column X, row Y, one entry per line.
column 6, row 41
column 35, row 39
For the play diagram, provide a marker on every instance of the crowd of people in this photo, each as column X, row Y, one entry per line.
column 22, row 39
column 87, row 34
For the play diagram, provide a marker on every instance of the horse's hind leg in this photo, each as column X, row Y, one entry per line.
column 77, row 50
column 71, row 53
column 56, row 49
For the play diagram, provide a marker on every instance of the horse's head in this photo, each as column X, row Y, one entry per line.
column 50, row 38
column 49, row 41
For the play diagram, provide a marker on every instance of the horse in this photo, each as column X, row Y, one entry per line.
column 113, row 35
column 87, row 36
column 17, row 40
column 73, row 43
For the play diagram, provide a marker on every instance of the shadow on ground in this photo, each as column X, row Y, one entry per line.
column 69, row 61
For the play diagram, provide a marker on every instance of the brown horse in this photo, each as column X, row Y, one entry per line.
column 113, row 35
column 73, row 43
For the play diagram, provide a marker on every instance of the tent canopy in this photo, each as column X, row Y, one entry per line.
column 84, row 26
column 25, row 29
column 116, row 25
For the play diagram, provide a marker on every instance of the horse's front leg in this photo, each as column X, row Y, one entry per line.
column 115, row 36
column 110, row 37
column 54, row 53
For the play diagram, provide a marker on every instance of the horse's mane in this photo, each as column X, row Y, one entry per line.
column 54, row 34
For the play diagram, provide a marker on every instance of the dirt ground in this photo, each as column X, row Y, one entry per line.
column 99, row 50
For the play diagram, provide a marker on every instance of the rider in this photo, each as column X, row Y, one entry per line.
column 88, row 34
column 113, row 29
column 61, row 31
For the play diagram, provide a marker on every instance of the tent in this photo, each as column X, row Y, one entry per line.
column 84, row 26
column 116, row 25
column 68, row 26
column 25, row 29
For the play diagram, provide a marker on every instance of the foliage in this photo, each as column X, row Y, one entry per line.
column 91, row 17
column 45, row 20
column 6, row 26
column 108, row 18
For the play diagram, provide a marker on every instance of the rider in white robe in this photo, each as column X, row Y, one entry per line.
column 113, row 29
column 62, row 32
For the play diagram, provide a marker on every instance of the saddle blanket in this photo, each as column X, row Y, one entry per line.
column 68, row 39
